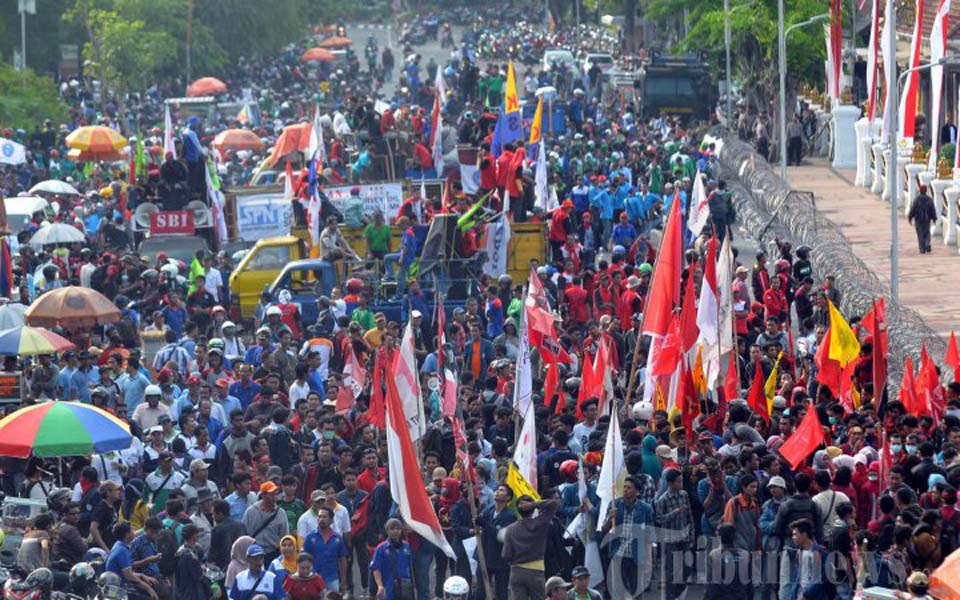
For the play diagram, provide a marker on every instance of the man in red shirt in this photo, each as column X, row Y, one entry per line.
column 629, row 302
column 560, row 228
column 503, row 168
column 367, row 480
column 575, row 297
column 604, row 299
column 488, row 169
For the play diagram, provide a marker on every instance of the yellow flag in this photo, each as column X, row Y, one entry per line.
column 511, row 100
column 699, row 378
column 519, row 484
column 659, row 402
column 844, row 346
column 770, row 386
column 537, row 126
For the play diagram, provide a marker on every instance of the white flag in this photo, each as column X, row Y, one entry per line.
column 316, row 146
column 168, row 146
column 523, row 387
column 541, row 189
column 525, row 454
column 725, row 291
column 699, row 207
column 12, row 153
column 408, row 385
column 610, row 469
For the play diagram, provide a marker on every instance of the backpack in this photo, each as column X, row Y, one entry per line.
column 284, row 450
column 167, row 548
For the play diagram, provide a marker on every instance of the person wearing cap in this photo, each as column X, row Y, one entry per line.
column 624, row 233
column 264, row 345
column 556, row 588
column 203, row 519
column 374, row 336
column 266, row 522
column 199, row 478
column 104, row 516
column 629, row 303
column 580, row 576
column 83, row 379
column 256, row 579
column 392, row 562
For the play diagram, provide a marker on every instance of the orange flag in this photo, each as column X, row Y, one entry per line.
column 803, row 441
column 587, row 383
column 953, row 357
column 757, row 398
column 688, row 315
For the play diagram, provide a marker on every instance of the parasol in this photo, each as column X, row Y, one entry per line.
column 57, row 233
column 96, row 140
column 61, row 429
column 293, row 139
column 55, row 186
column 31, row 341
column 238, row 139
column 945, row 580
column 206, row 86
column 318, row 55
column 336, row 42
column 72, row 307
column 11, row 315
column 82, row 156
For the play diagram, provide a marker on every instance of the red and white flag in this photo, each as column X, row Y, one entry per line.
column 354, row 380
column 908, row 101
column 408, row 385
column 664, row 294
column 406, row 485
column 708, row 315
column 436, row 123
column 525, row 454
column 699, row 207
column 938, row 49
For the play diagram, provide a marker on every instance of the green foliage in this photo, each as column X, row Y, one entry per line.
column 28, row 98
column 131, row 56
column 949, row 151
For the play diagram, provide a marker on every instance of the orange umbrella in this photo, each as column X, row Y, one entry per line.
column 318, row 55
column 293, row 139
column 945, row 580
column 336, row 42
column 238, row 139
column 71, row 307
column 96, row 139
column 206, row 86
column 85, row 156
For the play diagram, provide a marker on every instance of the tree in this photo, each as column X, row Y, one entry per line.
column 28, row 99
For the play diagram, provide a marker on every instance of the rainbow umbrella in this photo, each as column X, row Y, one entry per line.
column 30, row 341
column 61, row 429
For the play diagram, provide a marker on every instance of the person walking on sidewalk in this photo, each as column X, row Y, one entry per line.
column 922, row 214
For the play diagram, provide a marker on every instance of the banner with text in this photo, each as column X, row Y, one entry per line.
column 385, row 197
column 263, row 215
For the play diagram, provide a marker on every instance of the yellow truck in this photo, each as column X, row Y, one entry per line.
column 263, row 263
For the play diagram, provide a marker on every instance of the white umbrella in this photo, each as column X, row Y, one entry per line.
column 55, row 186
column 57, row 233
column 11, row 315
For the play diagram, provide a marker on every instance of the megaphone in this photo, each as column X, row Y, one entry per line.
column 141, row 217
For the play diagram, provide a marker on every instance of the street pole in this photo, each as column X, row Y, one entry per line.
column 726, row 42
column 782, row 55
column 893, row 101
column 189, row 36
column 23, row 40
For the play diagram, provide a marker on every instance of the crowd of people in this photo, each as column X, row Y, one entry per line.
column 246, row 458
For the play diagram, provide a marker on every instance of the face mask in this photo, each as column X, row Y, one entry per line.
column 895, row 448
column 872, row 477
column 911, row 449
column 833, row 420
column 328, row 435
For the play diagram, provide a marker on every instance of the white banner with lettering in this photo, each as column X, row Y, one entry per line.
column 263, row 215
column 385, row 197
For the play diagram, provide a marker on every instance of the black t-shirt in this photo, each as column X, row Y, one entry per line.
column 105, row 516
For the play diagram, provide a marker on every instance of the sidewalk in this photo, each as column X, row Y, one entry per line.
column 928, row 283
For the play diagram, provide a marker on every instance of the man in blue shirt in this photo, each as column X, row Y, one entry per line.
column 85, row 375
column 391, row 561
column 132, row 385
column 623, row 232
column 255, row 354
column 328, row 550
column 120, row 561
column 255, row 580
column 246, row 389
column 174, row 314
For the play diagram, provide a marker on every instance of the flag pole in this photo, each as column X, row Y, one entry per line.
column 631, row 379
column 472, row 501
column 516, row 410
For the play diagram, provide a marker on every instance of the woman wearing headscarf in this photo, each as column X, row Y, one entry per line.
column 134, row 509
column 651, row 464
column 286, row 564
column 238, row 560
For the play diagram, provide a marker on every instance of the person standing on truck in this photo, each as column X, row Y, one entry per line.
column 333, row 248
column 377, row 237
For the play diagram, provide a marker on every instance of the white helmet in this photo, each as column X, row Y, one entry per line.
column 456, row 588
column 642, row 411
column 153, row 390
column 274, row 310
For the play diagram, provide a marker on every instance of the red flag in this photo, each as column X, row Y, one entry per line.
column 354, row 381
column 803, row 441
column 587, row 383
column 688, row 315
column 930, row 392
column 406, row 485
column 875, row 322
column 908, row 390
column 829, row 372
column 757, row 398
column 731, row 384
column 550, row 384
column 691, row 404
column 953, row 357
column 376, row 411
column 670, row 352
column 664, row 292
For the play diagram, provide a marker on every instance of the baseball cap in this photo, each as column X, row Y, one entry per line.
column 552, row 583
column 416, row 314
column 777, row 481
column 156, row 429
column 268, row 487
column 255, row 550
column 198, row 463
column 580, row 571
column 318, row 495
column 664, row 451
column 274, row 471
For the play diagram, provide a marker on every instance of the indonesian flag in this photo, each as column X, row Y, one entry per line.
column 406, row 485
column 436, row 123
column 836, row 46
column 525, row 453
column 908, row 102
column 708, row 313
column 354, row 379
column 540, row 320
column 938, row 48
column 523, row 386
column 408, row 385
column 872, row 62
column 699, row 207
column 603, row 365
column 316, row 147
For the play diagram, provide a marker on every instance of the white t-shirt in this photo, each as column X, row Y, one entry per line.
column 110, row 466
column 213, row 282
column 298, row 391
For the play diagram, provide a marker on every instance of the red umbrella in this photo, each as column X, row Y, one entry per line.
column 318, row 55
column 336, row 42
column 238, row 139
column 206, row 86
column 294, row 138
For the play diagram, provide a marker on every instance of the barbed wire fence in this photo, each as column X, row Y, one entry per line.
column 768, row 209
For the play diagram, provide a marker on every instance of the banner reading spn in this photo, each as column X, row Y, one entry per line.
column 263, row 215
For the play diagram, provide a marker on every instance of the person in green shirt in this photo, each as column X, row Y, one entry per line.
column 377, row 235
column 293, row 506
column 363, row 315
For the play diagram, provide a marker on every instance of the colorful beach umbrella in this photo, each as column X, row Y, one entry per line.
column 72, row 307
column 206, row 86
column 61, row 429
column 31, row 341
column 96, row 139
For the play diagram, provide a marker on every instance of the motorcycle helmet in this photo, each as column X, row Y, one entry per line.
column 153, row 390
column 83, row 578
column 58, row 498
column 40, row 579
column 456, row 588
column 642, row 411
column 568, row 470
column 111, row 587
